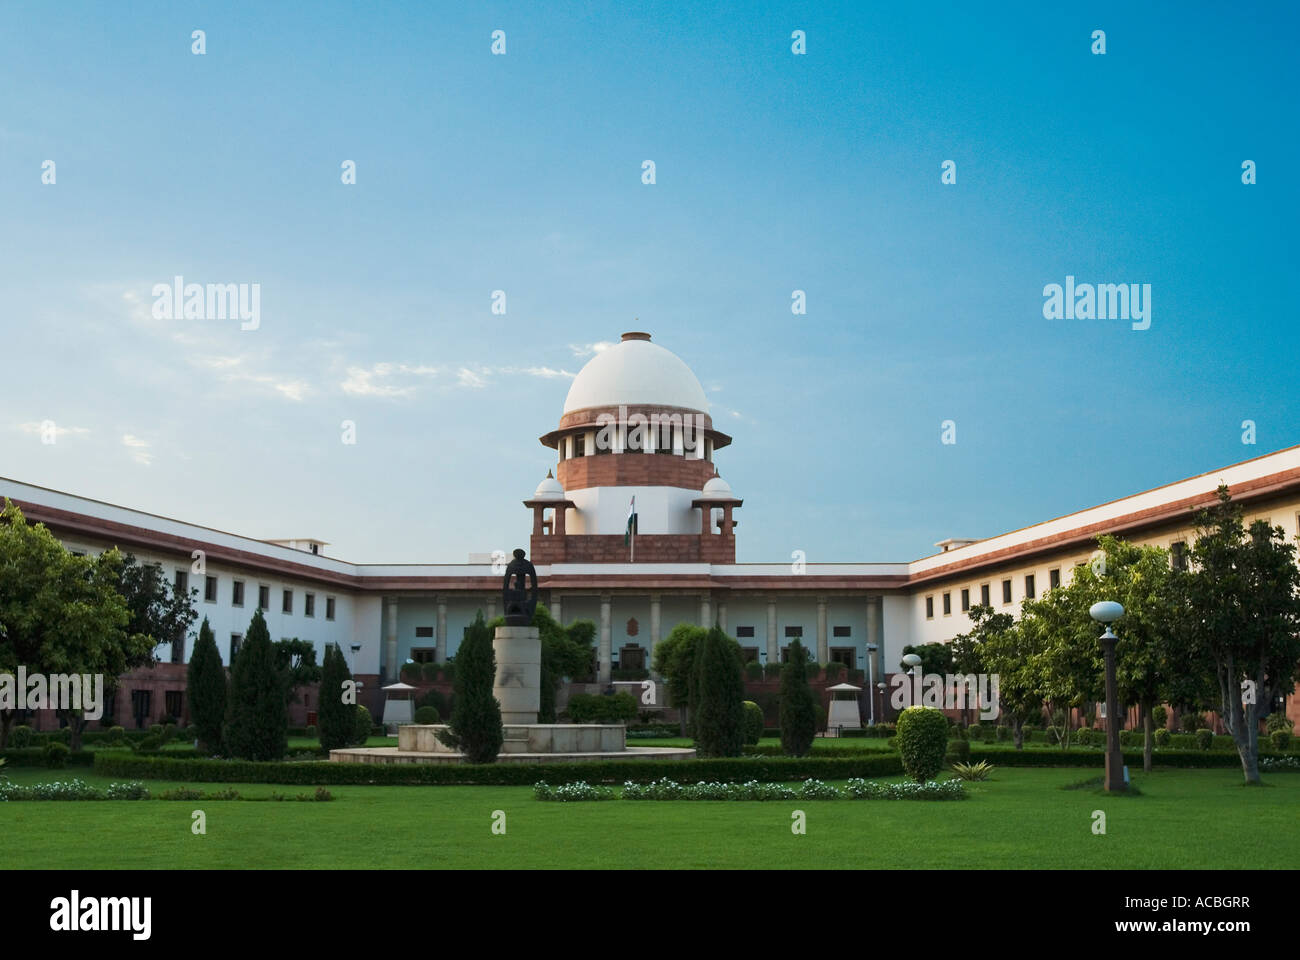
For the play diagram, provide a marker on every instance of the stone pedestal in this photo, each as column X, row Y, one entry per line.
column 518, row 682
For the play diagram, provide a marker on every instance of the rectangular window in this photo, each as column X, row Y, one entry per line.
column 794, row 631
column 965, row 599
column 141, row 707
column 235, row 640
column 263, row 597
column 210, row 589
column 237, row 594
column 1053, row 578
column 173, row 704
column 947, row 604
column 422, row 654
column 1029, row 586
column 1006, row 591
column 286, row 602
column 309, row 605
column 984, row 595
column 1178, row 555
column 182, row 583
column 841, row 631
column 744, row 632
column 580, row 445
column 749, row 654
column 845, row 655
column 929, row 608
column 329, row 608
column 423, row 632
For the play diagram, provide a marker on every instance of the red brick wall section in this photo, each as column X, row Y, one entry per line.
column 650, row 548
column 634, row 470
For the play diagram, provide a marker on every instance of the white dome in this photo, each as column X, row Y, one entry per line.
column 549, row 489
column 636, row 371
column 717, row 487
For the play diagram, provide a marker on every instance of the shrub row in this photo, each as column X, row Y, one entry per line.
column 599, row 708
column 732, row 769
column 37, row 757
column 1133, row 758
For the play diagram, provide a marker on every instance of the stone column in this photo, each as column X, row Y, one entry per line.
column 518, row 682
column 706, row 620
column 874, row 635
column 655, row 616
column 492, row 606
column 556, row 610
column 440, row 650
column 391, row 668
column 604, row 652
column 722, row 615
column 773, row 643
column 823, row 647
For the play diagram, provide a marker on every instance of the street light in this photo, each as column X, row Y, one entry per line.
column 871, row 655
column 1107, row 612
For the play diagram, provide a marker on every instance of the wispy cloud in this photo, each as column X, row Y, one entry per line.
column 50, row 428
column 139, row 449
column 373, row 381
column 468, row 378
column 587, row 349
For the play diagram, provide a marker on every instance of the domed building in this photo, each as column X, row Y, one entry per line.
column 635, row 440
column 633, row 528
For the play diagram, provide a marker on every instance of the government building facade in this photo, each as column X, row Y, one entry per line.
column 635, row 431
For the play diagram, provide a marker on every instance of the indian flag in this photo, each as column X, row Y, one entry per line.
column 631, row 523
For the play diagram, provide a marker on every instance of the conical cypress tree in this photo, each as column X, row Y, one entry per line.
column 257, row 716
column 720, row 716
column 206, row 685
column 337, row 720
column 798, row 716
column 475, row 714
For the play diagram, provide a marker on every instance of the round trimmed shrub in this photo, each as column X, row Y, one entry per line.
column 311, row 732
column 922, row 742
column 753, row 722
column 1126, row 739
column 1277, row 721
column 156, row 729
column 975, row 731
column 753, row 670
column 1204, row 738
column 150, row 744
column 56, row 755
column 1162, row 737
column 958, row 751
column 1281, row 739
column 21, row 737
column 169, row 731
column 1083, row 736
column 427, row 715
column 1004, row 733
column 116, row 736
column 1191, row 722
column 63, row 735
column 363, row 727
column 1160, row 716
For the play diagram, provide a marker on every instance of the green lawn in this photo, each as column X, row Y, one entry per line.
column 1184, row 818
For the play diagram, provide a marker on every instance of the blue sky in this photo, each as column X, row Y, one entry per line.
column 522, row 173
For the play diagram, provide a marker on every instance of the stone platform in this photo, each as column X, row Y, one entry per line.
column 523, row 743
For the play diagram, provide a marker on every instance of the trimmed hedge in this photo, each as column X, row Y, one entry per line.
column 35, row 757
column 1133, row 758
column 725, row 769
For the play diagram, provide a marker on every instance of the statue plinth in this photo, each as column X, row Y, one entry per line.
column 518, row 683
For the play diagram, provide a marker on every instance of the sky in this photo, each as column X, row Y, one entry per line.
column 523, row 172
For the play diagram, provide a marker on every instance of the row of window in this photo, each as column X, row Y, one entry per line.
column 263, row 595
column 1031, row 591
column 795, row 631
column 1177, row 560
column 634, row 445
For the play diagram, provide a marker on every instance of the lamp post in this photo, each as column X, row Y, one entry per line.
column 1107, row 612
column 880, row 687
column 871, row 655
column 913, row 662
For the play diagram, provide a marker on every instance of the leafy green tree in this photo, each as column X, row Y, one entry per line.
column 935, row 658
column 257, row 714
column 296, row 661
column 674, row 660
column 1141, row 579
column 1241, row 608
column 158, row 608
column 475, row 714
column 798, row 715
column 720, row 715
column 206, row 687
column 1012, row 653
column 967, row 649
column 753, row 723
column 337, row 716
column 61, row 614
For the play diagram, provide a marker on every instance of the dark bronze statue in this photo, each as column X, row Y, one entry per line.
column 516, row 599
